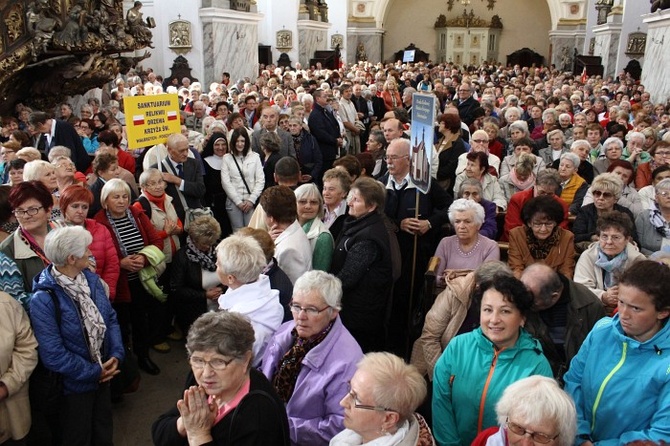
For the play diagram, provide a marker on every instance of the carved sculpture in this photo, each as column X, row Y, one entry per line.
column 659, row 4
column 361, row 55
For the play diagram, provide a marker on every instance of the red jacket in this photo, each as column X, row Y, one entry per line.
column 150, row 237
column 126, row 160
column 106, row 260
column 513, row 217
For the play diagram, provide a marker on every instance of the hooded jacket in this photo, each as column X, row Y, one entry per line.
column 470, row 378
column 621, row 387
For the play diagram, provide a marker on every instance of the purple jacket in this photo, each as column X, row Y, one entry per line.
column 314, row 412
column 490, row 227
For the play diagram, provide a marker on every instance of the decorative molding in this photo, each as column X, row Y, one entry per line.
column 312, row 24
column 572, row 22
column 636, row 44
column 361, row 19
column 180, row 36
column 221, row 15
column 284, row 40
column 336, row 40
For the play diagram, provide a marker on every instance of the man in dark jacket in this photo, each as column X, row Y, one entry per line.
column 53, row 132
column 466, row 103
column 324, row 127
column 565, row 312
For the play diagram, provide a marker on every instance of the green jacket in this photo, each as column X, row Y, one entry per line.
column 470, row 378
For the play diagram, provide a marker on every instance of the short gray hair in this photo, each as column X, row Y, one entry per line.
column 225, row 332
column 241, row 257
column 537, row 400
column 579, row 142
column 204, row 229
column 519, row 125
column 608, row 182
column 511, row 109
column 113, row 186
column 34, row 170
column 662, row 185
column 61, row 243
column 470, row 182
column 490, row 269
column 548, row 177
column 326, row 285
column 556, row 132
column 149, row 174
column 631, row 136
column 572, row 158
column 465, row 205
column 613, row 140
column 57, row 151
column 547, row 112
column 309, row 190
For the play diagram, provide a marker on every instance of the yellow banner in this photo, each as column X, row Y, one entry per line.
column 151, row 119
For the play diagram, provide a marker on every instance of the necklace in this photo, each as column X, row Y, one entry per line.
column 469, row 253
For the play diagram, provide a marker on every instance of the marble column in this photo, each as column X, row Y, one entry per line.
column 657, row 56
column 565, row 40
column 608, row 38
column 312, row 36
column 230, row 43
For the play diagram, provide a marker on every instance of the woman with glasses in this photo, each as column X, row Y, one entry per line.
column 479, row 142
column 476, row 367
column 226, row 400
column 239, row 267
column 541, row 239
column 619, row 379
column 477, row 167
column 533, row 410
column 606, row 190
column 310, row 360
column 660, row 156
column 613, row 148
column 31, row 204
column 653, row 225
column 379, row 409
column 45, row 173
column 600, row 266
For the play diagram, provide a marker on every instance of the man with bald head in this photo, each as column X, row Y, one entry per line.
column 269, row 120
column 393, row 129
column 182, row 175
column 564, row 313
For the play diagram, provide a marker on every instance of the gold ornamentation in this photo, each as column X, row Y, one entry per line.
column 14, row 24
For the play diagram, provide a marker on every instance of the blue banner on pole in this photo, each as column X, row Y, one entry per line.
column 422, row 134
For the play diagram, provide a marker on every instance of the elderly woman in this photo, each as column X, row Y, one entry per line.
column 516, row 130
column 599, row 267
column 307, row 150
column 31, row 204
column 310, row 211
column 449, row 147
column 242, row 179
column 110, row 140
column 65, row 172
column 269, row 143
column 660, row 156
column 523, row 145
column 75, row 201
column 468, row 248
column 606, row 190
column 78, row 335
column 630, row 198
column 240, row 264
column 215, row 197
column 521, row 177
column 484, row 362
column 336, row 184
column 511, row 114
column 132, row 232
column 15, row 171
column 479, row 142
column 613, row 148
column 384, row 394
column 619, row 378
column 105, row 167
column 648, row 193
column 390, row 95
column 541, row 239
column 535, row 406
column 573, row 187
column 477, row 167
column 497, row 145
column 226, row 400
column 471, row 189
column 653, row 225
column 45, row 173
column 310, row 360
column 194, row 282
column 634, row 151
column 362, row 261
column 555, row 149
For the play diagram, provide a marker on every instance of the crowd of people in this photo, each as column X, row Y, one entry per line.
column 281, row 235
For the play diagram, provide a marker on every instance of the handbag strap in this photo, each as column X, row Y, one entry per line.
column 274, row 402
column 241, row 174
column 181, row 196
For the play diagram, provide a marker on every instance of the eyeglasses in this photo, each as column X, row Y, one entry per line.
column 215, row 364
column 663, row 193
column 394, row 157
column 155, row 183
column 6, row 152
column 481, row 141
column 358, row 405
column 546, row 224
column 599, row 193
column 29, row 211
column 310, row 311
column 616, row 238
column 662, row 153
column 464, row 91
column 538, row 437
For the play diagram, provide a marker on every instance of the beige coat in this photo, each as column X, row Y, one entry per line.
column 18, row 358
column 443, row 320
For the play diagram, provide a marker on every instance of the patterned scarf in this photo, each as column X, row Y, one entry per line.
column 611, row 266
column 297, row 143
column 657, row 221
column 129, row 216
column 289, row 367
column 539, row 249
column 206, row 260
column 80, row 293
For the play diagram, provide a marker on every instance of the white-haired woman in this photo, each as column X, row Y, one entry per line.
column 45, row 173
column 634, row 152
column 556, row 148
column 468, row 248
column 379, row 409
column 310, row 360
column 573, row 187
column 533, row 410
column 512, row 114
column 516, row 130
column 78, row 334
column 653, row 225
column 240, row 263
column 613, row 148
column 310, row 212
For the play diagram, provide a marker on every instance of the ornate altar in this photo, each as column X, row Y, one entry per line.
column 51, row 49
column 468, row 39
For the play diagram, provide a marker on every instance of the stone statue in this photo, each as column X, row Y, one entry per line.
column 566, row 59
column 75, row 30
column 361, row 55
column 659, row 4
column 41, row 25
column 135, row 24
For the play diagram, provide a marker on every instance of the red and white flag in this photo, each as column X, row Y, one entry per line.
column 172, row 115
column 138, row 119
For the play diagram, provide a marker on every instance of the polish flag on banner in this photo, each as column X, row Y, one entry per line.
column 584, row 76
column 172, row 115
column 138, row 120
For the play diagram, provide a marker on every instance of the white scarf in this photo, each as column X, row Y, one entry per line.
column 214, row 162
column 350, row 438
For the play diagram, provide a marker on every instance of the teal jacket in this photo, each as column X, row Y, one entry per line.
column 470, row 378
column 621, row 387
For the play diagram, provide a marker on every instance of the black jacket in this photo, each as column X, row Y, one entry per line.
column 323, row 126
column 194, row 186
